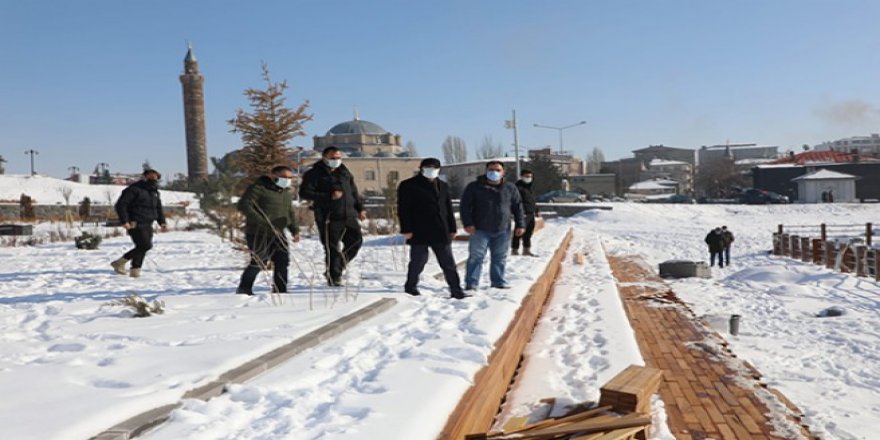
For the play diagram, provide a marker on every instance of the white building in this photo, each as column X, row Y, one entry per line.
column 869, row 145
column 841, row 186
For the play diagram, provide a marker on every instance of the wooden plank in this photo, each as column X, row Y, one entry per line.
column 619, row 434
column 583, row 427
column 515, row 423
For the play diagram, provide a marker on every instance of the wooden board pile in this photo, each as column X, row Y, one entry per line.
column 624, row 413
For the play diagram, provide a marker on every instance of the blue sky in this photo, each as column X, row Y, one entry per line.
column 86, row 82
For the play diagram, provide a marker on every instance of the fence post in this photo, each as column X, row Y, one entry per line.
column 818, row 251
column 777, row 244
column 861, row 255
column 779, row 230
column 786, row 245
column 869, row 230
column 876, row 265
column 830, row 254
column 824, row 232
column 795, row 247
column 806, row 250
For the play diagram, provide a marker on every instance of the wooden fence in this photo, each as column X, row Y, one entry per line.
column 854, row 256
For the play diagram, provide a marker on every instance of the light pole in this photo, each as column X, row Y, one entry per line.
column 560, row 129
column 32, row 152
column 299, row 151
column 511, row 124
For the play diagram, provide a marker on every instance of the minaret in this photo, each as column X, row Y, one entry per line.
column 194, row 118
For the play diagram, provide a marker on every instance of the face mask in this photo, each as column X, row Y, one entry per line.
column 333, row 163
column 431, row 173
column 527, row 179
column 282, row 182
column 493, row 175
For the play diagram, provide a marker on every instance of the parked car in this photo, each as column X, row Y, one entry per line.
column 681, row 198
column 754, row 196
column 562, row 197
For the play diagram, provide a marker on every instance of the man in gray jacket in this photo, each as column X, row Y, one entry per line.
column 487, row 207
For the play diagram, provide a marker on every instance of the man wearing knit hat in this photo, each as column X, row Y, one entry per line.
column 424, row 209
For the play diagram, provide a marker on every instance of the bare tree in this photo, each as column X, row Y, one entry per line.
column 454, row 150
column 489, row 149
column 411, row 149
column 594, row 160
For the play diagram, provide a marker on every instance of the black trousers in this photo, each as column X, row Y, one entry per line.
column 720, row 258
column 527, row 236
column 142, row 236
column 332, row 232
column 418, row 256
column 265, row 247
column 727, row 255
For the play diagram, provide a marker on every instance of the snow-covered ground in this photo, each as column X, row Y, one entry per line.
column 829, row 367
column 49, row 191
column 76, row 366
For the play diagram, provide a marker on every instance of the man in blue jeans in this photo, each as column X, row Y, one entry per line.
column 487, row 207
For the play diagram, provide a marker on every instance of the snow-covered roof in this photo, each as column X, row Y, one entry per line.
column 824, row 174
column 506, row 159
column 653, row 184
column 662, row 162
column 754, row 161
column 49, row 191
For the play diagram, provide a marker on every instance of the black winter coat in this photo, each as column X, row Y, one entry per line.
column 715, row 241
column 424, row 209
column 140, row 203
column 320, row 182
column 491, row 207
column 267, row 208
column 530, row 205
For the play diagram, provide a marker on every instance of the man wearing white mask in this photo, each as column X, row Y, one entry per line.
column 487, row 207
column 530, row 211
column 267, row 205
column 338, row 207
column 427, row 220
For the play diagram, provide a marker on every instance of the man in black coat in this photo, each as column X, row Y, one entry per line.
column 424, row 209
column 138, row 207
column 530, row 211
column 715, row 240
column 338, row 207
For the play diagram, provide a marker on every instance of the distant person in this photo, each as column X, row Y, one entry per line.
column 824, row 196
column 530, row 212
column 487, row 207
column 830, row 196
column 727, row 236
column 427, row 220
column 338, row 207
column 267, row 205
column 138, row 207
column 715, row 240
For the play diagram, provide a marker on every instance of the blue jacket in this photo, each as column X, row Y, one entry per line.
column 491, row 207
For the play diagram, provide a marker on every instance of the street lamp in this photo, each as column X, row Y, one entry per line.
column 511, row 124
column 560, row 130
column 32, row 152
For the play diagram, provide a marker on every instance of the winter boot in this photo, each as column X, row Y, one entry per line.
column 119, row 266
column 135, row 272
column 515, row 252
column 528, row 252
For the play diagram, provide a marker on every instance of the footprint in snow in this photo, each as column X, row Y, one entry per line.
column 69, row 348
column 109, row 383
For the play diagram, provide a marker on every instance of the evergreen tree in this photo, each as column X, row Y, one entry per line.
column 216, row 195
column 548, row 177
column 2, row 167
column 266, row 130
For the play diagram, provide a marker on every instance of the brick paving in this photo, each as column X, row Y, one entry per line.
column 704, row 397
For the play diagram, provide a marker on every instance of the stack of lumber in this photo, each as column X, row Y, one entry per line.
column 594, row 424
column 631, row 390
column 628, row 394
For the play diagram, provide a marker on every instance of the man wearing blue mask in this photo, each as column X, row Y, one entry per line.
column 267, row 205
column 427, row 220
column 338, row 207
column 487, row 207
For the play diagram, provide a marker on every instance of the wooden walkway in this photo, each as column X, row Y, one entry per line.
column 705, row 398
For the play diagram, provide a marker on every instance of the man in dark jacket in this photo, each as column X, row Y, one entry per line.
column 715, row 240
column 487, row 207
column 424, row 209
column 338, row 207
column 138, row 207
column 530, row 211
column 727, row 236
column 267, row 205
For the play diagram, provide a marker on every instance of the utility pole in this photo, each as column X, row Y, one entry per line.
column 32, row 152
column 560, row 129
column 512, row 124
